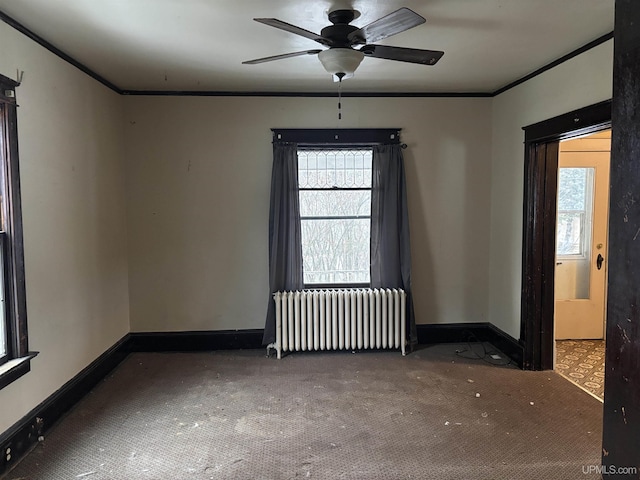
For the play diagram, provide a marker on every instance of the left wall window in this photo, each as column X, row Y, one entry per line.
column 14, row 351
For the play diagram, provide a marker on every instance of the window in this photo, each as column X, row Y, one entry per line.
column 575, row 205
column 5, row 326
column 14, row 354
column 335, row 215
column 338, row 215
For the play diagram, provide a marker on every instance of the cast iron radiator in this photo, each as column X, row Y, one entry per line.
column 351, row 319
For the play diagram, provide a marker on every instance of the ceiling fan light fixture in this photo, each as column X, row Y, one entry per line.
column 340, row 61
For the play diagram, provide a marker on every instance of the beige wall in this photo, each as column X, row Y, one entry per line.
column 577, row 83
column 198, row 195
column 73, row 199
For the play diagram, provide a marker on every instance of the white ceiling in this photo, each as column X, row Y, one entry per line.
column 200, row 44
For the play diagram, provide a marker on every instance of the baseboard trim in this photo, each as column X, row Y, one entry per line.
column 464, row 332
column 506, row 344
column 24, row 434
column 431, row 334
column 202, row 341
column 195, row 341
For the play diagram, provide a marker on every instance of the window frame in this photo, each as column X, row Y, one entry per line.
column 16, row 361
column 329, row 148
column 586, row 226
column 336, row 139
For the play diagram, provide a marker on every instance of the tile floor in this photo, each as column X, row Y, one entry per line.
column 582, row 362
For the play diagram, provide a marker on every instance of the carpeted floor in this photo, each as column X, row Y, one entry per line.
column 582, row 362
column 371, row 415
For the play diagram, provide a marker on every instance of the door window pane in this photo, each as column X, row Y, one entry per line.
column 574, row 233
column 570, row 233
column 572, row 188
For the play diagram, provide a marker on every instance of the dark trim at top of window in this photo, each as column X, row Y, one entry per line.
column 337, row 136
column 8, row 82
column 7, row 90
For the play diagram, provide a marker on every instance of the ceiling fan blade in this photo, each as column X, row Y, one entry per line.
column 401, row 54
column 287, row 27
column 396, row 22
column 279, row 57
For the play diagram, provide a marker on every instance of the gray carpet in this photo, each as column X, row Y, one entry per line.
column 371, row 415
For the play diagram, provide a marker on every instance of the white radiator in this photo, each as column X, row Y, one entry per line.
column 352, row 319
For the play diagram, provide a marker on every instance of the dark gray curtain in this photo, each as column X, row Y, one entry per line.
column 285, row 243
column 390, row 248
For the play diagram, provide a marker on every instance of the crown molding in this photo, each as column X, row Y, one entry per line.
column 205, row 93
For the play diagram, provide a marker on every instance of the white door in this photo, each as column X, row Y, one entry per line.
column 581, row 243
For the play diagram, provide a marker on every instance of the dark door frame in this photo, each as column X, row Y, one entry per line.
column 539, row 225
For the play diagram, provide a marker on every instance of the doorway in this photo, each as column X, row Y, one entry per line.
column 581, row 266
column 542, row 145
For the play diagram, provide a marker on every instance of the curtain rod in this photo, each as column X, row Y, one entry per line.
column 337, row 136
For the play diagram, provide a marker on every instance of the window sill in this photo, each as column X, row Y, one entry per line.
column 14, row 369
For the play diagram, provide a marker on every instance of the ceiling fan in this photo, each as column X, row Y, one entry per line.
column 348, row 44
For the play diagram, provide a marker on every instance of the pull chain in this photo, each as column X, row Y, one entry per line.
column 340, row 99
